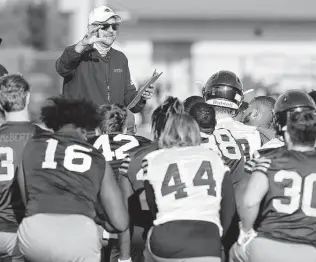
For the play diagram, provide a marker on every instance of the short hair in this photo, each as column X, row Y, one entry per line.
column 313, row 95
column 114, row 118
column 169, row 107
column 204, row 115
column 13, row 92
column 190, row 101
column 267, row 101
column 181, row 130
column 79, row 112
column 301, row 126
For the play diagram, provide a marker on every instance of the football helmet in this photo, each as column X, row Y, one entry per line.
column 224, row 89
column 290, row 101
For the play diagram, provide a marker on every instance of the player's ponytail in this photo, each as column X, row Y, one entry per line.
column 181, row 130
column 114, row 118
column 301, row 126
column 169, row 107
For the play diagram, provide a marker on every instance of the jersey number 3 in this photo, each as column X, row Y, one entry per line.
column 7, row 163
column 293, row 192
column 198, row 180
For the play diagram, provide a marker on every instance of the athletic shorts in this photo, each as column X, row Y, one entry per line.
column 263, row 249
column 59, row 238
column 150, row 257
column 9, row 247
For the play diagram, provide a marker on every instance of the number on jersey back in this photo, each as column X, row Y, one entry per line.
column 223, row 142
column 115, row 147
column 291, row 196
column 13, row 137
column 247, row 136
column 58, row 167
column 185, row 179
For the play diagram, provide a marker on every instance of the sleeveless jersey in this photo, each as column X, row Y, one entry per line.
column 288, row 211
column 131, row 166
column 13, row 137
column 247, row 136
column 187, row 184
column 131, row 169
column 115, row 147
column 63, row 174
column 223, row 142
column 273, row 143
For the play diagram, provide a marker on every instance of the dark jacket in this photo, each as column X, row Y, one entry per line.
column 3, row 71
column 99, row 79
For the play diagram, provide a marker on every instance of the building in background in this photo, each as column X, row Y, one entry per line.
column 270, row 42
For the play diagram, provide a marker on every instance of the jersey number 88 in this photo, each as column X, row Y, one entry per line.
column 224, row 143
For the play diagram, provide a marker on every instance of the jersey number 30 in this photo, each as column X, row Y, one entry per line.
column 198, row 180
column 294, row 193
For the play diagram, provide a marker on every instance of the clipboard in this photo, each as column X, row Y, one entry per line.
column 149, row 82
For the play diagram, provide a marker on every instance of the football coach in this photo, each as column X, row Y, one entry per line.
column 94, row 70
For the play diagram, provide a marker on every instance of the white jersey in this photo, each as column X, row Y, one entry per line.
column 247, row 136
column 274, row 143
column 187, row 183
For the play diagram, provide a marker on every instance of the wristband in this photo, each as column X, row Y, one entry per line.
column 126, row 260
column 245, row 237
column 105, row 235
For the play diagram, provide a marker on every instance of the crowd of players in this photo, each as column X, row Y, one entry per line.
column 217, row 183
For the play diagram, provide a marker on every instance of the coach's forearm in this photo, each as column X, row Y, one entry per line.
column 68, row 61
column 79, row 48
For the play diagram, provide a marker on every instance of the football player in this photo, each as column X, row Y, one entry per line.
column 313, row 95
column 132, row 185
column 64, row 177
column 295, row 99
column 220, row 140
column 190, row 194
column 115, row 144
column 190, row 101
column 280, row 195
column 224, row 91
column 260, row 114
column 14, row 133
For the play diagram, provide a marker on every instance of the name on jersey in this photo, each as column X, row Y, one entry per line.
column 15, row 137
column 223, row 103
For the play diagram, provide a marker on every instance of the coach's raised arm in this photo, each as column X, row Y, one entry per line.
column 92, row 69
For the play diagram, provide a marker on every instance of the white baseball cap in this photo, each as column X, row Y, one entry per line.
column 101, row 14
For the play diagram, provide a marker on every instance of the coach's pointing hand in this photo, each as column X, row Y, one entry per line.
column 90, row 38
